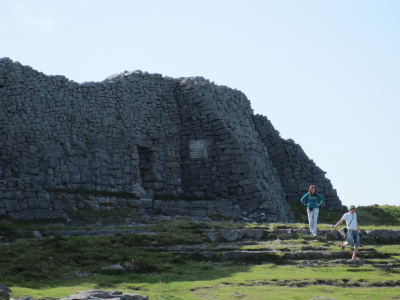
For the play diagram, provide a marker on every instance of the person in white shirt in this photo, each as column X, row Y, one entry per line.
column 353, row 230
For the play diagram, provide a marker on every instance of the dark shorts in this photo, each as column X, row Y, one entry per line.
column 353, row 238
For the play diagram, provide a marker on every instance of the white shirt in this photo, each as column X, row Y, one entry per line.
column 349, row 217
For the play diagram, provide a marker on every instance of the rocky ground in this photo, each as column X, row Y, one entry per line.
column 256, row 244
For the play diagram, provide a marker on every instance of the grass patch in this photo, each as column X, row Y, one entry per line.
column 167, row 265
column 384, row 215
column 324, row 216
column 369, row 217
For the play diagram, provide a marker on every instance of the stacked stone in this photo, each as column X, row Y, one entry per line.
column 296, row 171
column 235, row 165
column 199, row 208
column 61, row 134
column 22, row 200
column 145, row 134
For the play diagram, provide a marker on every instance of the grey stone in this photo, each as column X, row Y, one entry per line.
column 98, row 294
column 4, row 292
column 11, row 205
column 254, row 233
column 149, row 134
column 37, row 234
column 113, row 267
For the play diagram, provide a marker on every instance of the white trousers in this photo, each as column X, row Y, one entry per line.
column 313, row 220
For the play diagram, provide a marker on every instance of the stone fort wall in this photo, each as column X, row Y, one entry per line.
column 144, row 134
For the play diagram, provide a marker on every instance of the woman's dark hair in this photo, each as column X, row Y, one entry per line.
column 309, row 190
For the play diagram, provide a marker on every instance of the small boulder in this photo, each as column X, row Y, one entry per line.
column 98, row 294
column 4, row 292
column 37, row 234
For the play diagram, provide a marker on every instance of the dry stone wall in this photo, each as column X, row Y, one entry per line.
column 139, row 133
column 235, row 165
column 24, row 200
column 296, row 171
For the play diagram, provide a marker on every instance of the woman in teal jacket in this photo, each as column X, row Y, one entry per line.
column 313, row 201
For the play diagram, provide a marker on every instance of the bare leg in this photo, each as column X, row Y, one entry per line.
column 355, row 253
column 343, row 245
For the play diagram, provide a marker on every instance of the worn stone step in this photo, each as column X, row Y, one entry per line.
column 303, row 254
column 380, row 263
column 230, row 235
column 87, row 232
column 231, row 251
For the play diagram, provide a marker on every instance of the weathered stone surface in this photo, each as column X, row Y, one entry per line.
column 254, row 233
column 386, row 236
column 114, row 267
column 97, row 232
column 144, row 134
column 4, row 292
column 370, row 236
column 37, row 234
column 296, row 170
column 241, row 254
column 99, row 294
column 231, row 235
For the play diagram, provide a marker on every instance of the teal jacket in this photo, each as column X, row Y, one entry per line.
column 312, row 200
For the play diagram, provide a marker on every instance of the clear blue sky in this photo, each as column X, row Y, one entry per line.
column 326, row 73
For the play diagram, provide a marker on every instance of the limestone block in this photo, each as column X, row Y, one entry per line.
column 384, row 235
column 251, row 188
column 15, row 215
column 213, row 236
column 98, row 294
column 8, row 194
column 112, row 267
column 182, row 204
column 198, row 212
column 161, row 203
column 231, row 213
column 4, row 292
column 254, row 233
column 28, row 214
column 334, row 235
column 11, row 205
column 44, row 203
column 177, row 211
column 231, row 235
column 58, row 214
column 235, row 177
column 331, row 192
column 199, row 204
column 42, row 213
column 241, row 168
column 92, row 204
column 152, row 175
column 271, row 218
column 23, row 204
